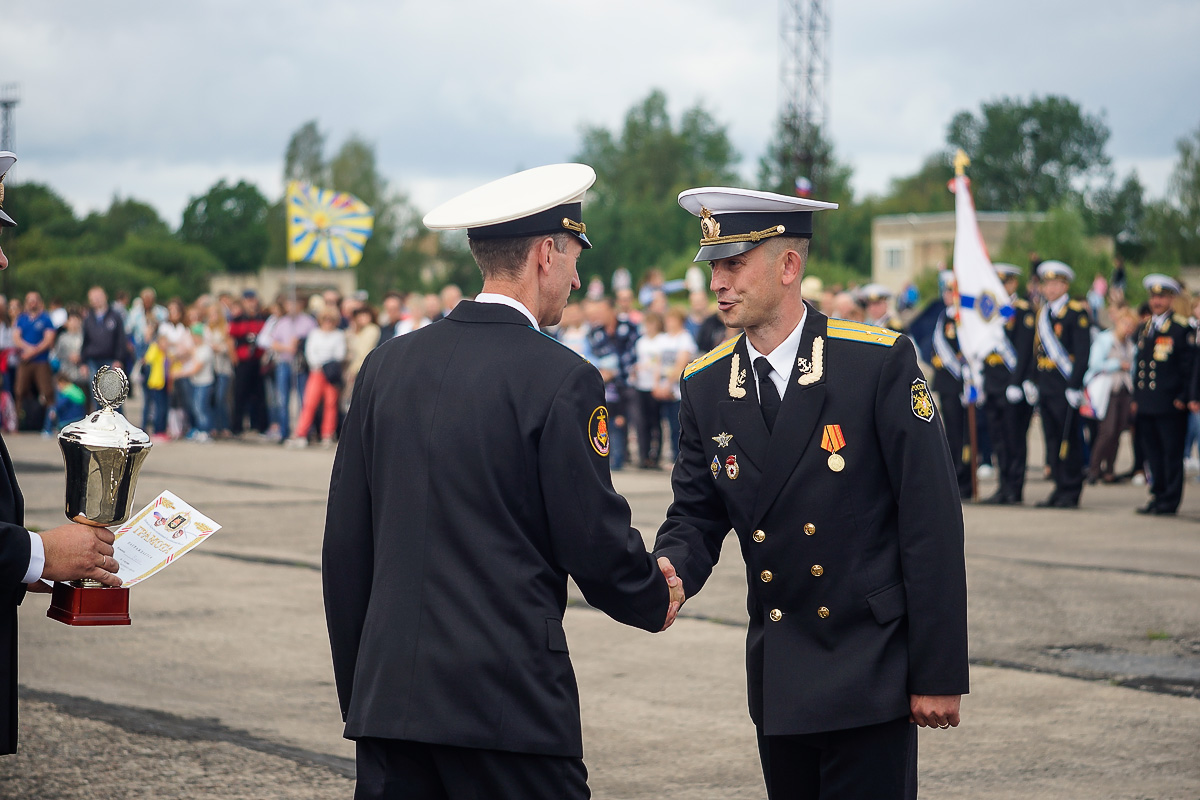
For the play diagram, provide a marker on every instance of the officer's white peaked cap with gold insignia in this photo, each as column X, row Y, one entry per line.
column 537, row 202
column 7, row 159
column 1157, row 283
column 733, row 221
column 1051, row 270
column 1006, row 271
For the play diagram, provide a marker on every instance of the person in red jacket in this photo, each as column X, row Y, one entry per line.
column 249, row 388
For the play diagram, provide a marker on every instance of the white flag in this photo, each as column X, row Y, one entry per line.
column 984, row 306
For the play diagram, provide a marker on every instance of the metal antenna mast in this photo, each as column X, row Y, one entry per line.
column 804, row 76
column 9, row 97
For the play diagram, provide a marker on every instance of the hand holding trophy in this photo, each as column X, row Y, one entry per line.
column 103, row 454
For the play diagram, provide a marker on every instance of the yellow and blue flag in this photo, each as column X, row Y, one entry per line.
column 326, row 228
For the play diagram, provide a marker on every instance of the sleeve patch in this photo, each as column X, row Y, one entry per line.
column 598, row 430
column 922, row 403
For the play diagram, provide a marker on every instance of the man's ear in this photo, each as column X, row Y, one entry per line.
column 793, row 266
column 543, row 250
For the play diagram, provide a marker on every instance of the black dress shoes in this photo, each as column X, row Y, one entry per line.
column 998, row 499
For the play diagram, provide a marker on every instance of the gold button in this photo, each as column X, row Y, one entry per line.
column 758, row 536
column 817, row 570
column 766, row 575
column 823, row 612
column 809, row 528
column 776, row 615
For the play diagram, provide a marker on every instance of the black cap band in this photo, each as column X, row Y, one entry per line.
column 566, row 218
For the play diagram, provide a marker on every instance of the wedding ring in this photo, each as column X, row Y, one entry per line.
column 944, row 725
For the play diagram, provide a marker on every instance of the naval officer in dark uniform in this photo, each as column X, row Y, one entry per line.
column 817, row 441
column 1009, row 394
column 949, row 365
column 470, row 481
column 66, row 553
column 874, row 299
column 1162, row 389
column 1063, row 340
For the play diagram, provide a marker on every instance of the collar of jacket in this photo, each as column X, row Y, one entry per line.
column 470, row 311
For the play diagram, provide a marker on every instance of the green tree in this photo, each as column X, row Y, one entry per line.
column 70, row 277
column 1120, row 212
column 1173, row 224
column 46, row 224
column 1029, row 155
column 632, row 215
column 231, row 222
column 188, row 266
column 924, row 192
column 102, row 231
column 304, row 158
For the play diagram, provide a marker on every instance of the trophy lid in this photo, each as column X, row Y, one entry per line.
column 106, row 427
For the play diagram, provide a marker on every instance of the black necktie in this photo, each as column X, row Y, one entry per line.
column 768, row 395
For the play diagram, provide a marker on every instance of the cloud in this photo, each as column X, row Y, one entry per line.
column 145, row 97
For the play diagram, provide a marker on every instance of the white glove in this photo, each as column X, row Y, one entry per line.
column 1031, row 392
column 1014, row 394
column 1074, row 397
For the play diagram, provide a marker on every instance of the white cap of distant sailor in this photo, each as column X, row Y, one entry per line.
column 7, row 159
column 873, row 292
column 945, row 279
column 1157, row 283
column 537, row 202
column 1050, row 270
column 1006, row 271
column 733, row 221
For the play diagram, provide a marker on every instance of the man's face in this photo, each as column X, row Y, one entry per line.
column 749, row 288
column 97, row 299
column 1053, row 288
column 33, row 303
column 3, row 259
column 1010, row 284
column 250, row 304
column 393, row 309
column 876, row 309
column 148, row 299
column 625, row 300
column 563, row 278
column 1160, row 302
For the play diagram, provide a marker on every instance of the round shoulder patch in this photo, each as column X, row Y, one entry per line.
column 598, row 430
column 922, row 403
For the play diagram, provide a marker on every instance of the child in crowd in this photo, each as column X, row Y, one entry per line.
column 69, row 406
column 154, row 367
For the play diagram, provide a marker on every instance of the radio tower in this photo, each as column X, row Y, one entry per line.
column 8, row 100
column 804, row 79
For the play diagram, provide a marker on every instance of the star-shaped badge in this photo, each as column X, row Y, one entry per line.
column 723, row 439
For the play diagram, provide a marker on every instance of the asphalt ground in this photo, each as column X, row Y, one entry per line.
column 1085, row 645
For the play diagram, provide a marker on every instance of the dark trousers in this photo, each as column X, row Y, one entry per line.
column 649, row 429
column 1163, row 443
column 249, row 397
column 875, row 762
column 954, row 417
column 1108, row 436
column 1009, row 427
column 1062, row 425
column 392, row 769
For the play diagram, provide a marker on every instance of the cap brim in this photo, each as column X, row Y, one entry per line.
column 7, row 221
column 583, row 240
column 715, row 252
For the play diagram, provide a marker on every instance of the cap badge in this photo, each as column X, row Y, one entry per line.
column 832, row 440
column 922, row 405
column 723, row 439
column 731, row 468
column 572, row 225
column 737, row 377
column 598, row 430
column 816, row 365
column 709, row 227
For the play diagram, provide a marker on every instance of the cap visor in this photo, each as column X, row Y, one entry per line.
column 713, row 252
column 7, row 221
column 583, row 240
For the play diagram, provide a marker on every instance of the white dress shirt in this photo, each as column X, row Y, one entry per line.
column 781, row 358
column 511, row 302
column 37, row 559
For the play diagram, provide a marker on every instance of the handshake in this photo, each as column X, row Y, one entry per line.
column 675, row 584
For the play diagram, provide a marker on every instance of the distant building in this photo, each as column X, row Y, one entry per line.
column 905, row 245
column 271, row 282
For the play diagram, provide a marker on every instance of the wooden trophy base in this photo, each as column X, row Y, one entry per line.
column 89, row 605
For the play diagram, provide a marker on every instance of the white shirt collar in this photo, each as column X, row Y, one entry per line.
column 1058, row 304
column 511, row 302
column 782, row 357
column 1160, row 319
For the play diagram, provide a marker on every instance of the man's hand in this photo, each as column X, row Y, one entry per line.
column 74, row 552
column 934, row 710
column 676, row 587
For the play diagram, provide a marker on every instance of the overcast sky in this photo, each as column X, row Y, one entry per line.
column 158, row 100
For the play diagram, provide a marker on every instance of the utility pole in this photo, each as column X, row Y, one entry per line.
column 804, row 78
column 9, row 97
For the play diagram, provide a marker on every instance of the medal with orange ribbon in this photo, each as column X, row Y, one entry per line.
column 832, row 440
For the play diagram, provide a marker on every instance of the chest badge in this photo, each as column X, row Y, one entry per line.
column 922, row 404
column 731, row 468
column 815, row 365
column 833, row 440
column 715, row 466
column 723, row 439
column 1163, row 347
